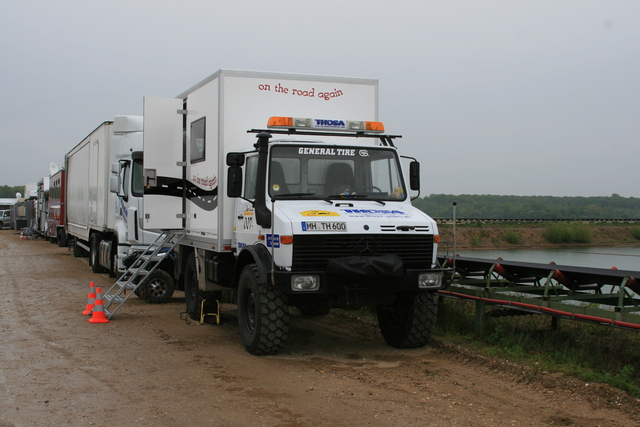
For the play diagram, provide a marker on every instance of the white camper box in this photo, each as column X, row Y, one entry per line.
column 271, row 240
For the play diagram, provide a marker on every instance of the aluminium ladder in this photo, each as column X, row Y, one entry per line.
column 139, row 270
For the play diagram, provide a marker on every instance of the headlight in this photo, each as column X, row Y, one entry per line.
column 305, row 283
column 429, row 280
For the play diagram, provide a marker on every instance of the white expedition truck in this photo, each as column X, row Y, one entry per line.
column 104, row 203
column 313, row 213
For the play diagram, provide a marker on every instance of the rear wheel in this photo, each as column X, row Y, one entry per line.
column 62, row 238
column 94, row 253
column 157, row 287
column 409, row 322
column 263, row 314
column 77, row 250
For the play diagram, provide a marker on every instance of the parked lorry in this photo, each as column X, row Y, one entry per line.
column 313, row 212
column 56, row 214
column 103, row 203
column 41, row 226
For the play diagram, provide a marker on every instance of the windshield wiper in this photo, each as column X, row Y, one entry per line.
column 354, row 196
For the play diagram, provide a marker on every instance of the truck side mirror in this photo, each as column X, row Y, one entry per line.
column 235, row 159
column 414, row 175
column 234, row 181
column 114, row 181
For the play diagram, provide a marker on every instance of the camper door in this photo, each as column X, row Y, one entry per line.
column 163, row 151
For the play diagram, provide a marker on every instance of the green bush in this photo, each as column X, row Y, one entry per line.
column 562, row 233
column 635, row 233
column 512, row 237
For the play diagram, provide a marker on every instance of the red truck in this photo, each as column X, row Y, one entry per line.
column 56, row 209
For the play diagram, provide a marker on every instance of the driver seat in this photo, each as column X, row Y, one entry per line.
column 338, row 179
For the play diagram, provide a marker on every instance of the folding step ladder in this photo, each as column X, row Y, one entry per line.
column 139, row 270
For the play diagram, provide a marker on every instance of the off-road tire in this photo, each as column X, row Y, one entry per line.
column 157, row 288
column 410, row 321
column 263, row 314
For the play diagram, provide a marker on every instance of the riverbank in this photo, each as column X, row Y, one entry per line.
column 497, row 236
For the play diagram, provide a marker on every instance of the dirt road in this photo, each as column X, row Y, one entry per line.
column 147, row 367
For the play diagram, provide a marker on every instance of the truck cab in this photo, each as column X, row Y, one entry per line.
column 334, row 224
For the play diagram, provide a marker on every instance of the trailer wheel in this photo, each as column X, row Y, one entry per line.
column 94, row 253
column 409, row 322
column 157, row 288
column 62, row 238
column 77, row 250
column 192, row 294
column 263, row 314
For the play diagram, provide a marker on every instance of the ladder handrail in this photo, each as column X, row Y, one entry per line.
column 138, row 270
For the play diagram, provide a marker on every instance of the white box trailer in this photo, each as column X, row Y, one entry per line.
column 315, row 213
column 88, row 172
column 104, row 205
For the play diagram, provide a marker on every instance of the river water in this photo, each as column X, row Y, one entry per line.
column 623, row 258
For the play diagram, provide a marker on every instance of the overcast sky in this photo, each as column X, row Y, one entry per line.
column 493, row 97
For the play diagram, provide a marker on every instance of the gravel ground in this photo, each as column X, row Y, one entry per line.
column 149, row 367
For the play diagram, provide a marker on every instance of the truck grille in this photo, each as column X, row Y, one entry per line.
column 312, row 252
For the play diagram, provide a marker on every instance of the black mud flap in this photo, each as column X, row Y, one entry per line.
column 366, row 267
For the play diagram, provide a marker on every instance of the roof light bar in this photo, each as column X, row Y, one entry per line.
column 325, row 124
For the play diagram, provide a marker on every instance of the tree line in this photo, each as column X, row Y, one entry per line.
column 529, row 207
column 7, row 192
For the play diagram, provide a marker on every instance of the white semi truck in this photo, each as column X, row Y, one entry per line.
column 313, row 211
column 104, row 203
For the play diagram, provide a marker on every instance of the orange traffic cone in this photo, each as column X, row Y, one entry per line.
column 92, row 299
column 97, row 315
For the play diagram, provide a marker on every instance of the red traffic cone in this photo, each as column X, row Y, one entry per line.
column 97, row 315
column 92, row 299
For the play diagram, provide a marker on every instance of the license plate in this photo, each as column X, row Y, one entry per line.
column 324, row 226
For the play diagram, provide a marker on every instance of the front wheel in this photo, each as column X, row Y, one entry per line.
column 263, row 314
column 157, row 288
column 409, row 322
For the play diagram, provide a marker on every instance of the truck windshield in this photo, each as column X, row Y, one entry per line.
column 335, row 172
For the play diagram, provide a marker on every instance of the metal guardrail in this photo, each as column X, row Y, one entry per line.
column 596, row 295
column 536, row 220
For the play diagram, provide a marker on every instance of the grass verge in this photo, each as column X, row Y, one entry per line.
column 590, row 352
